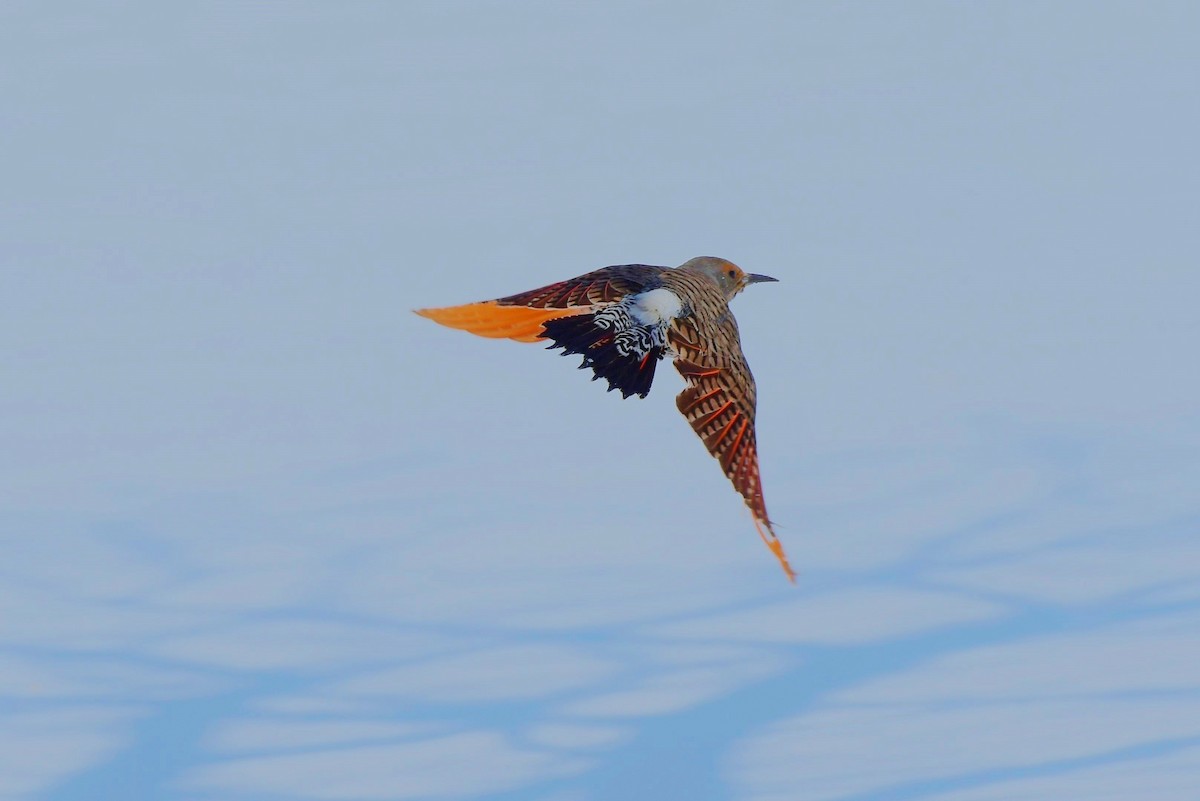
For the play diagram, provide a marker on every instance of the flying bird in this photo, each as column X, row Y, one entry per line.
column 622, row 320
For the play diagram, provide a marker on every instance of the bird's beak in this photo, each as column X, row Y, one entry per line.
column 755, row 278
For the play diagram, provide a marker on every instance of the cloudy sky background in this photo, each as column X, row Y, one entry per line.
column 265, row 535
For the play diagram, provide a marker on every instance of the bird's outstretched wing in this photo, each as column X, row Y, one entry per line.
column 594, row 315
column 719, row 402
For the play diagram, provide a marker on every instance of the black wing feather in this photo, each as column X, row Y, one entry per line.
column 631, row 373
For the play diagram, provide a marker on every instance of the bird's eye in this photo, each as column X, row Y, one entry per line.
column 732, row 273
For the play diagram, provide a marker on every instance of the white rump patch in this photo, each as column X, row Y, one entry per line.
column 656, row 307
column 639, row 322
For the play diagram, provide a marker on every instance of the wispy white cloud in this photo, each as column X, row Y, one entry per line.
column 839, row 752
column 484, row 674
column 453, row 766
column 1143, row 658
column 1090, row 568
column 48, row 615
column 299, row 642
column 576, row 736
column 668, row 691
column 238, row 737
column 42, row 746
column 1118, row 777
column 843, row 617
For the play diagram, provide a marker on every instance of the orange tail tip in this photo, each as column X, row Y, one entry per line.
column 490, row 319
column 772, row 542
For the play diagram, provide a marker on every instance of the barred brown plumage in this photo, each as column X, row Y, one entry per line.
column 622, row 320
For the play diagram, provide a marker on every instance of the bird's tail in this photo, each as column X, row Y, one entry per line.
column 491, row 319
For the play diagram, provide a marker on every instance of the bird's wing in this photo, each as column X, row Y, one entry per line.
column 522, row 316
column 719, row 402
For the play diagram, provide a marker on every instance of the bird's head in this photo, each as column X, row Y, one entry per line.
column 727, row 275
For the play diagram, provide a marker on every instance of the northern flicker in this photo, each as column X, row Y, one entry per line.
column 622, row 320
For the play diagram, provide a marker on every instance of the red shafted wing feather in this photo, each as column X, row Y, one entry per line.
column 719, row 402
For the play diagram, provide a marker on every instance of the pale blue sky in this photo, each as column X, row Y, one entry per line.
column 265, row 535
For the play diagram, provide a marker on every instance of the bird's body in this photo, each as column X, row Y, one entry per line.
column 622, row 320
